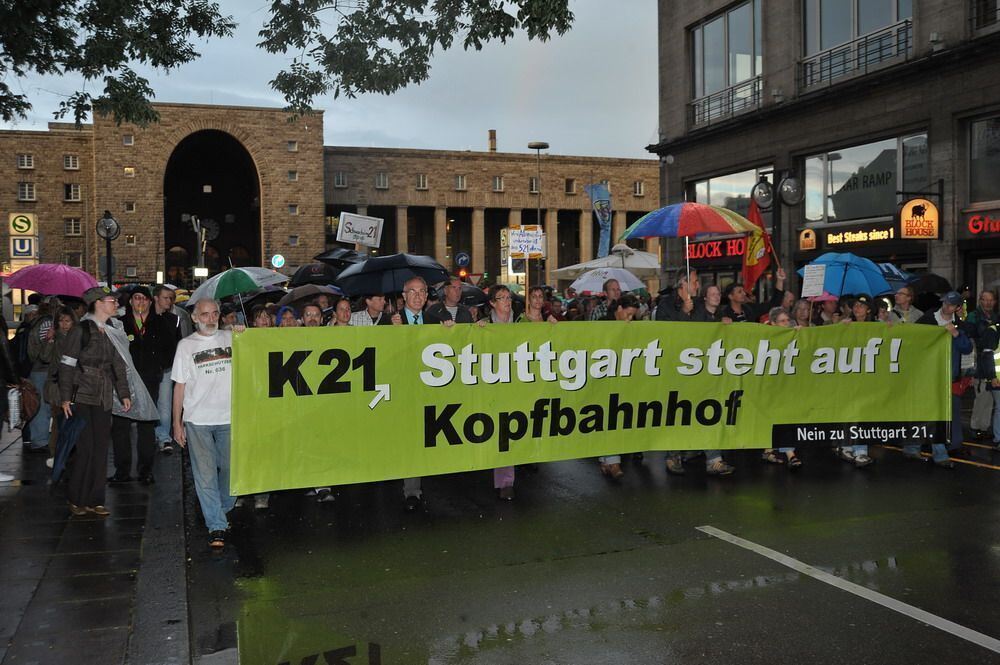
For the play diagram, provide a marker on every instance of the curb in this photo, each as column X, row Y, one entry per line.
column 159, row 634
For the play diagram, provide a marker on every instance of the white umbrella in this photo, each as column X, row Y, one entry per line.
column 235, row 281
column 643, row 265
column 593, row 281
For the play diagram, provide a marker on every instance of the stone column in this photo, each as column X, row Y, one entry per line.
column 513, row 217
column 478, row 239
column 586, row 235
column 441, row 237
column 618, row 226
column 551, row 243
column 402, row 229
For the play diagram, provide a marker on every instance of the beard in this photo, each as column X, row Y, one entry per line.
column 208, row 328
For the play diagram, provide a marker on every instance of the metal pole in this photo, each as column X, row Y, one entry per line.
column 538, row 216
column 107, row 274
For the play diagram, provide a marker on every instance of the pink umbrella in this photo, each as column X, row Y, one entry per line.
column 52, row 279
column 824, row 297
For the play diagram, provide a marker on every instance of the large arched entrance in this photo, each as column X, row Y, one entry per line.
column 211, row 177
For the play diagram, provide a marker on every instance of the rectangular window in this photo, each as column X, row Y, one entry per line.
column 293, row 209
column 459, row 183
column 74, row 259
column 73, row 226
column 340, row 180
column 129, row 239
column 130, row 206
column 498, row 183
column 731, row 190
column 129, row 171
column 727, row 49
column 638, row 188
column 292, row 146
column 71, row 192
column 25, row 161
column 293, row 176
column 533, row 185
column 570, row 186
column 381, row 180
column 25, row 191
column 984, row 160
column 131, row 271
column 128, row 139
column 421, row 181
column 984, row 13
column 71, row 162
column 860, row 182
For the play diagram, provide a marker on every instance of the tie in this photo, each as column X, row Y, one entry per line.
column 416, row 320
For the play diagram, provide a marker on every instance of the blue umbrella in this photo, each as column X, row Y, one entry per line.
column 847, row 273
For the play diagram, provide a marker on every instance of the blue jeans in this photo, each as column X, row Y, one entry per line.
column 39, row 425
column 164, row 404
column 208, row 446
column 938, row 450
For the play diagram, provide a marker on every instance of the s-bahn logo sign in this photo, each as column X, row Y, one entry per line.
column 23, row 224
column 919, row 220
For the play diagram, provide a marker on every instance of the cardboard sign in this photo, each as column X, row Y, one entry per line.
column 360, row 229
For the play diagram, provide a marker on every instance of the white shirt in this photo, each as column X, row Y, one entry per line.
column 363, row 318
column 204, row 364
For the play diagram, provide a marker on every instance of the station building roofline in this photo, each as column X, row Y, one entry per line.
column 480, row 154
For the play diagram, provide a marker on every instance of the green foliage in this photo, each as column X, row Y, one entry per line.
column 340, row 46
column 100, row 39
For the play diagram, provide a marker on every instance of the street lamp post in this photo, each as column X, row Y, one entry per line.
column 109, row 229
column 789, row 193
column 538, row 146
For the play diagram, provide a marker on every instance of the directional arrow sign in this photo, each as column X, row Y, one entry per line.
column 382, row 391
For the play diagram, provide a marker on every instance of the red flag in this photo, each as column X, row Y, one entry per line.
column 757, row 256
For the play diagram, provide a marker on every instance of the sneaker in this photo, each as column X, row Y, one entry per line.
column 76, row 510
column 6, row 477
column 719, row 468
column 261, row 502
column 240, row 502
column 944, row 464
column 844, row 454
column 613, row 471
column 675, row 465
column 50, row 462
column 324, row 495
column 862, row 461
column 217, row 540
column 311, row 492
column 412, row 503
column 166, row 448
column 505, row 493
column 100, row 511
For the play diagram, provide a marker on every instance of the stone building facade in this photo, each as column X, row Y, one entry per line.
column 865, row 103
column 262, row 184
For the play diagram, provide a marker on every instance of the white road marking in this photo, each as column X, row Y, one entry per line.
column 968, row 634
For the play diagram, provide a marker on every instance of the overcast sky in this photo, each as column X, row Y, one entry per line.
column 591, row 92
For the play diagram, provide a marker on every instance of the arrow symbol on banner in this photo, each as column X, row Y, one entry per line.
column 382, row 392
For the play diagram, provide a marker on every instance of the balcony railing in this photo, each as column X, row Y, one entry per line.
column 875, row 50
column 983, row 13
column 723, row 104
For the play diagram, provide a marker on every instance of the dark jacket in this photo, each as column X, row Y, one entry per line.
column 439, row 313
column 753, row 312
column 671, row 308
column 172, row 326
column 960, row 344
column 152, row 346
column 88, row 373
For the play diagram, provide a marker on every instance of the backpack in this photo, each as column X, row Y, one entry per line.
column 19, row 350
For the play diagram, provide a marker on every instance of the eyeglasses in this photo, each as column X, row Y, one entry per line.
column 502, row 298
column 422, row 292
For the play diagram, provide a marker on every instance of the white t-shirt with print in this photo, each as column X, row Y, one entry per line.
column 204, row 364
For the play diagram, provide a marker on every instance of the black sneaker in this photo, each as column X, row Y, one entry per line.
column 217, row 540
column 118, row 480
column 412, row 503
column 166, row 448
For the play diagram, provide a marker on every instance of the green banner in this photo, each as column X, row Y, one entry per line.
column 330, row 406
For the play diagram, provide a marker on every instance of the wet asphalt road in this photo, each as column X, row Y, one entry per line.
column 578, row 570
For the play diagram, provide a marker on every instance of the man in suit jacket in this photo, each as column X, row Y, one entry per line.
column 450, row 308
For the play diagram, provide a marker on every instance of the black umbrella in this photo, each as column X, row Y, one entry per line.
column 341, row 257
column 308, row 291
column 930, row 283
column 314, row 273
column 473, row 296
column 69, row 432
column 388, row 274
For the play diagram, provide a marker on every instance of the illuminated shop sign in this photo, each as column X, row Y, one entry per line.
column 722, row 251
column 919, row 220
column 866, row 233
column 980, row 225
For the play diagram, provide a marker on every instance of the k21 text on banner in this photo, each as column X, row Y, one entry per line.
column 327, row 406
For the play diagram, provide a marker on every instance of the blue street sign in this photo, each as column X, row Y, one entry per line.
column 462, row 260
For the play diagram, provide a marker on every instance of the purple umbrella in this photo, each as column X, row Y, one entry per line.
column 52, row 279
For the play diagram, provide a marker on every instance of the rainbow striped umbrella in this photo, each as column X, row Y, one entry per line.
column 680, row 220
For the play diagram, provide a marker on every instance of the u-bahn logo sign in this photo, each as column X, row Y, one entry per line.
column 23, row 224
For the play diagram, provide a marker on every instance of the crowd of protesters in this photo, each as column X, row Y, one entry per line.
column 142, row 372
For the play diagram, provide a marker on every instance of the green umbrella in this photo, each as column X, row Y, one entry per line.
column 236, row 281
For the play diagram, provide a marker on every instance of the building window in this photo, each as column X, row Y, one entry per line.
column 71, row 192
column 984, row 13
column 381, row 180
column 293, row 241
column 421, row 181
column 129, row 239
column 498, row 183
column 131, row 271
column 639, row 188
column 292, row 146
column 128, row 139
column 984, row 160
column 26, row 191
column 25, row 161
column 293, row 176
column 731, row 190
column 74, row 259
column 727, row 63
column 459, row 183
column 293, row 209
column 847, row 36
column 73, row 226
column 340, row 179
column 860, row 182
column 129, row 171
column 570, row 186
column 71, row 162
column 130, row 206
column 533, row 185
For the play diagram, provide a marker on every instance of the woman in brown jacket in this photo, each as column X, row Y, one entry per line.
column 90, row 367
